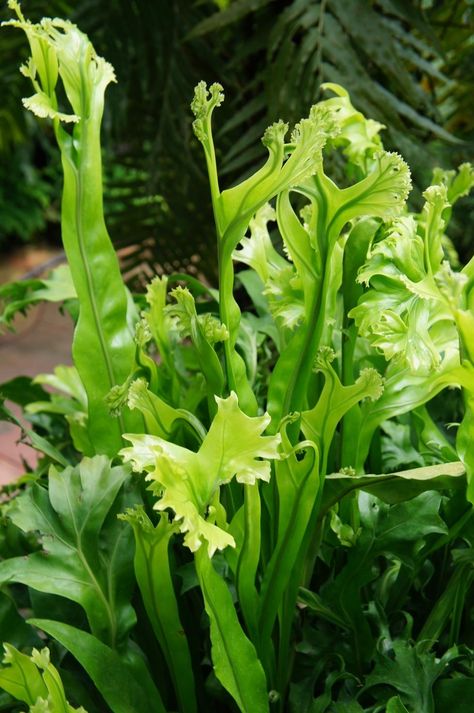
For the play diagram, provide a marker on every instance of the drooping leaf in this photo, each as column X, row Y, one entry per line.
column 18, row 296
column 395, row 487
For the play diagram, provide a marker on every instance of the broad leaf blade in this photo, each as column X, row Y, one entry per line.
column 84, row 557
column 126, row 685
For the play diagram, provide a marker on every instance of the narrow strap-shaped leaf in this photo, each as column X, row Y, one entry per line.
column 152, row 570
column 280, row 567
column 234, row 657
column 249, row 556
column 103, row 347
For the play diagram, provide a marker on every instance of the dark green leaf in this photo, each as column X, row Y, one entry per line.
column 87, row 553
column 124, row 682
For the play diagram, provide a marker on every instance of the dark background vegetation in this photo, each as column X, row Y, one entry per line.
column 408, row 64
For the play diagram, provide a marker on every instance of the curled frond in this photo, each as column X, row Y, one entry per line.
column 359, row 136
column 137, row 392
column 203, row 104
column 324, row 358
column 117, row 397
column 137, row 516
column 213, row 330
column 142, row 333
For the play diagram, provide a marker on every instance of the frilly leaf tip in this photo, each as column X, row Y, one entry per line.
column 136, row 392
column 203, row 104
column 275, row 133
column 324, row 357
column 436, row 194
column 16, row 7
column 39, row 104
column 41, row 657
column 373, row 382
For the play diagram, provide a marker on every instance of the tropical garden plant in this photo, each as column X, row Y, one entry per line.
column 407, row 64
column 248, row 498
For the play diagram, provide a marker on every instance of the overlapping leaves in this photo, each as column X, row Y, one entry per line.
column 85, row 553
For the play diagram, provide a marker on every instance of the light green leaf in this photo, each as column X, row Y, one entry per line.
column 21, row 678
column 153, row 573
column 41, row 105
column 204, row 102
column 359, row 136
column 35, row 681
column 203, row 332
column 72, row 405
column 382, row 193
column 458, row 183
column 190, row 481
column 436, row 198
column 18, row 296
column 161, row 418
column 103, row 347
column 395, row 705
column 319, row 423
column 233, row 656
column 410, row 309
column 257, row 250
column 239, row 204
column 67, row 380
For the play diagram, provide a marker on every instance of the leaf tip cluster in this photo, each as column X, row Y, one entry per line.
column 203, row 104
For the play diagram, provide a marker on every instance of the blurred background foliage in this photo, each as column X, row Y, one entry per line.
column 407, row 63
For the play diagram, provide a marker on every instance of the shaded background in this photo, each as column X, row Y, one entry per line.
column 406, row 64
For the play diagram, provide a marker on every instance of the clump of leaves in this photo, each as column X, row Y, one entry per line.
column 254, row 484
